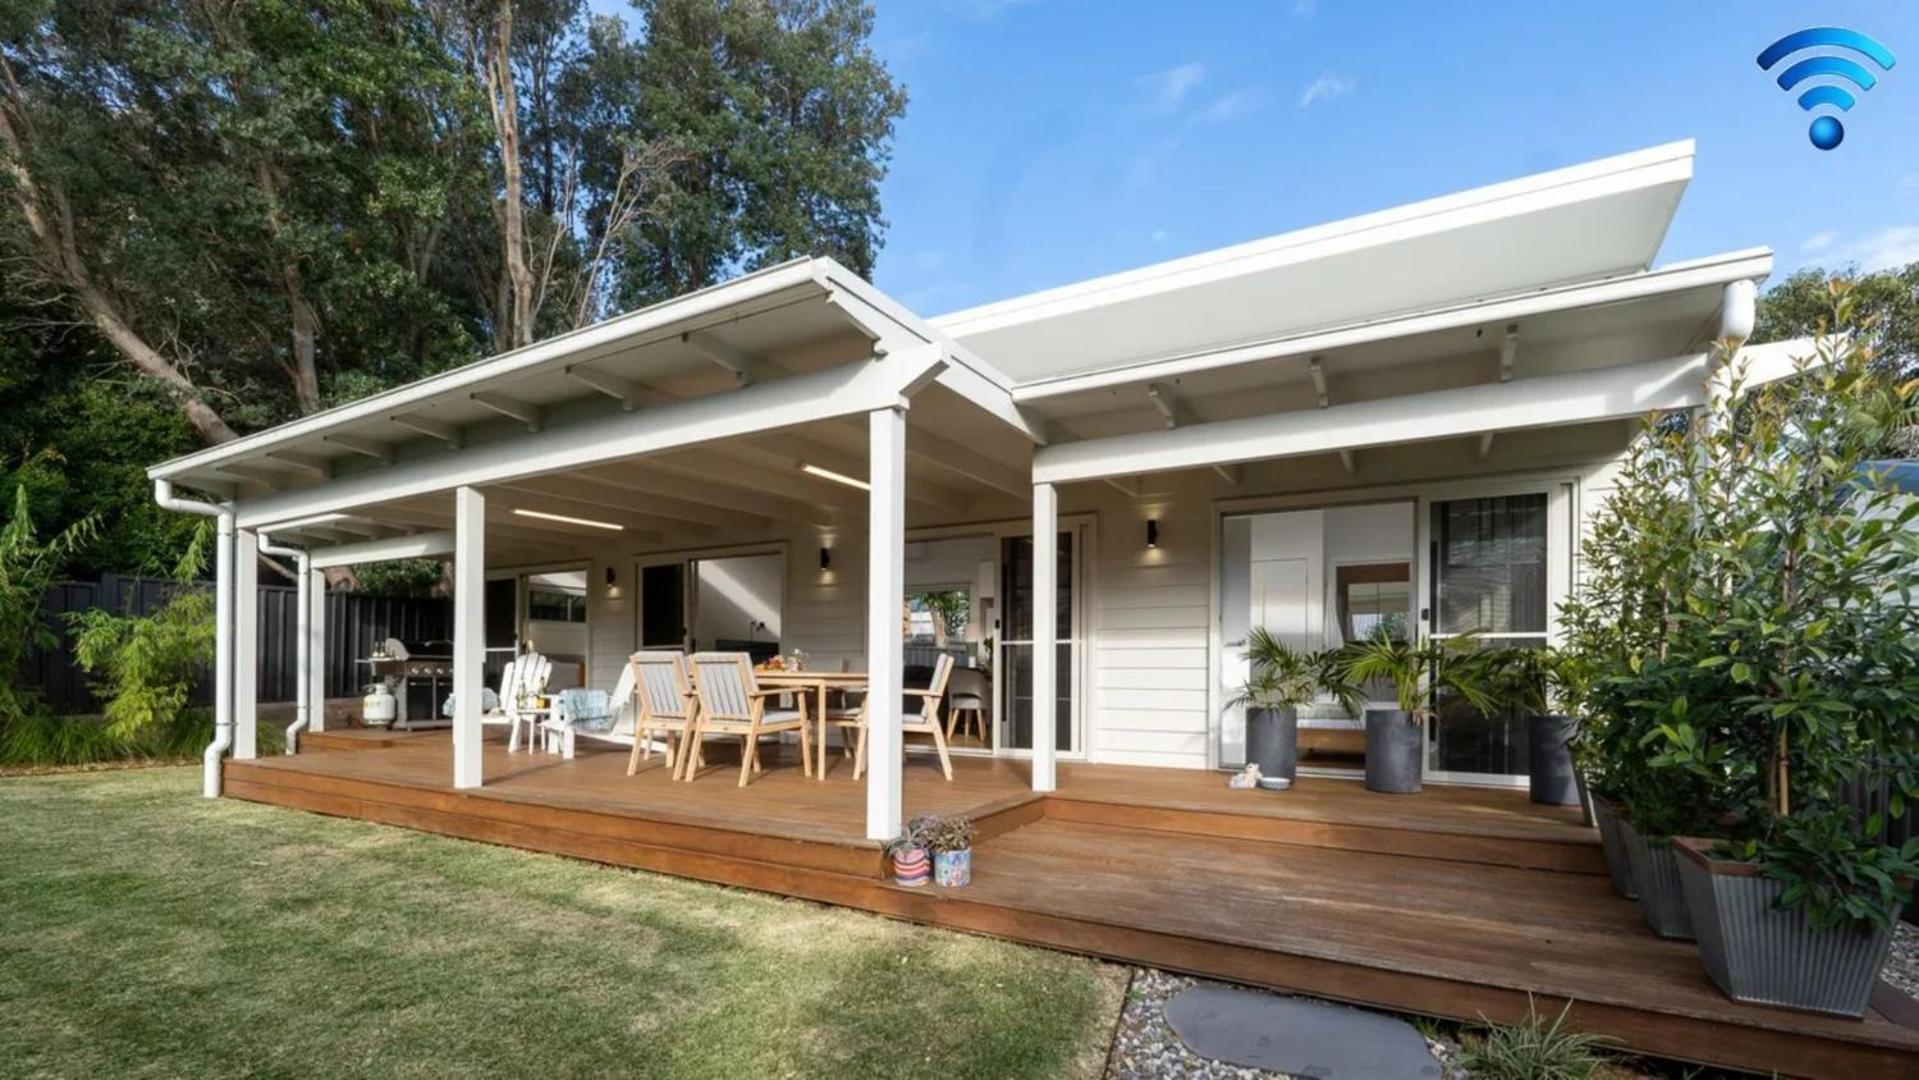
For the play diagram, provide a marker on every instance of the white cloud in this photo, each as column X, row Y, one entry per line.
column 1236, row 104
column 1159, row 236
column 1909, row 182
column 1304, row 10
column 1325, row 88
column 1887, row 248
column 1819, row 241
column 929, row 260
column 984, row 9
column 1171, row 86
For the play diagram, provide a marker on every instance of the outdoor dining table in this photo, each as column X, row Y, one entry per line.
column 820, row 683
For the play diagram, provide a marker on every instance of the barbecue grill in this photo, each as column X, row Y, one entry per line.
column 418, row 673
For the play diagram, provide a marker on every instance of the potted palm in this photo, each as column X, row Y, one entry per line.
column 1420, row 674
column 1536, row 680
column 1279, row 680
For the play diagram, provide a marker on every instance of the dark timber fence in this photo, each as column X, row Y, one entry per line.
column 354, row 624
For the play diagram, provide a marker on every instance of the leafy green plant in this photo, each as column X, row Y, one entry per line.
column 1282, row 677
column 28, row 566
column 151, row 663
column 1422, row 672
column 1539, row 681
column 1748, row 619
column 1533, row 1049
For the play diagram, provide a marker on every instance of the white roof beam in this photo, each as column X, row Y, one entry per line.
column 381, row 452
column 790, row 402
column 449, row 434
column 801, row 451
column 1125, row 485
column 1172, row 409
column 317, row 468
column 745, row 367
column 1232, row 474
column 631, row 395
column 1348, row 458
column 676, row 513
column 1508, row 353
column 935, row 450
column 1547, row 401
column 526, row 413
column 410, row 546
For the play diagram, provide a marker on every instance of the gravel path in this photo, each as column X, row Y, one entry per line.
column 1902, row 964
column 1145, row 1047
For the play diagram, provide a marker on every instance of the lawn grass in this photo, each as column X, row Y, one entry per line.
column 145, row 931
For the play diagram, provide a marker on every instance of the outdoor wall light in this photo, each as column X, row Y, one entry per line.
column 1152, row 533
column 612, row 578
column 826, row 559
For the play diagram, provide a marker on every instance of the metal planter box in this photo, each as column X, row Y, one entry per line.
column 1760, row 954
column 1613, row 842
column 1655, row 874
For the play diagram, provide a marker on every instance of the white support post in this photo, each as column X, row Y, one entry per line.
column 246, row 645
column 885, row 643
column 313, row 668
column 1045, row 636
column 469, row 633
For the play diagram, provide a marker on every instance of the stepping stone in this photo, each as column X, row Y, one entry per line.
column 1298, row 1037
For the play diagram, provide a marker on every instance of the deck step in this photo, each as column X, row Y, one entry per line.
column 1578, row 852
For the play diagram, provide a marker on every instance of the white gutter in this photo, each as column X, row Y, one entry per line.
column 302, row 644
column 222, row 628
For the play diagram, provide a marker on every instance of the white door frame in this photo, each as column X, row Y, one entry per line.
column 1561, row 491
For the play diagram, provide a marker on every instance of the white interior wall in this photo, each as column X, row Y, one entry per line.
column 739, row 598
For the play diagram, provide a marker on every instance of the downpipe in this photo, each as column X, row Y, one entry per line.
column 223, row 607
column 302, row 645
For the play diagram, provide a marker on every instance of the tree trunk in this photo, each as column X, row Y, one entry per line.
column 49, row 223
column 503, row 98
column 303, row 364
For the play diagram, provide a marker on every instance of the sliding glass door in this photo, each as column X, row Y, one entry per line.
column 1015, row 668
column 1494, row 572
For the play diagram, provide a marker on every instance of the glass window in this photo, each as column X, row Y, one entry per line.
column 937, row 616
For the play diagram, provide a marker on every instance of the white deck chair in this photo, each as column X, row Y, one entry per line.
column 663, row 702
column 521, row 705
column 732, row 703
column 498, row 716
column 927, row 722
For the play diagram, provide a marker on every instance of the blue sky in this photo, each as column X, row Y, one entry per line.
column 1051, row 140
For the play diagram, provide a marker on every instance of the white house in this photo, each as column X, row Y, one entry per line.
column 1404, row 415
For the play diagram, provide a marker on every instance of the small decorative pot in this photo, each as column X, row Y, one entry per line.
column 1394, row 745
column 953, row 869
column 1550, row 760
column 1655, row 873
column 1272, row 741
column 911, row 867
column 1612, row 841
column 1760, row 954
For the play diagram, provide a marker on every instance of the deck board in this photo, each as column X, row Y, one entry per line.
column 1408, row 902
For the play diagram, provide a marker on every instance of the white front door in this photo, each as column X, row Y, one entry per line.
column 1281, row 589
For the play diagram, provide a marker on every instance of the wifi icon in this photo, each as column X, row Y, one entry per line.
column 1826, row 131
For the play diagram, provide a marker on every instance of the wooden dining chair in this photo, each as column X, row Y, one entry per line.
column 732, row 703
column 665, row 703
column 925, row 722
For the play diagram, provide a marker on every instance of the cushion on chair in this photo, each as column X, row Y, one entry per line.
column 489, row 702
column 587, row 710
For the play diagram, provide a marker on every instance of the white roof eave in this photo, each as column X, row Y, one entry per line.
column 1751, row 264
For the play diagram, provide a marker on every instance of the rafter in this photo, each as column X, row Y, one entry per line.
column 381, row 452
column 525, row 412
column 745, row 367
column 450, row 434
column 1172, row 408
column 631, row 395
column 317, row 468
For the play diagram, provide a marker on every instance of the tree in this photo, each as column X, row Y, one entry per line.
column 28, row 565
column 786, row 118
column 208, row 187
column 1885, row 305
column 151, row 663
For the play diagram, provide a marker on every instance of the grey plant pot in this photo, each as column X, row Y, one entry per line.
column 1550, row 760
column 1760, row 954
column 1612, row 841
column 1588, row 816
column 1655, row 874
column 1272, row 741
column 1394, row 745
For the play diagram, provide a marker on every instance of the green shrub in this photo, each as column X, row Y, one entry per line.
column 1533, row 1049
column 27, row 568
column 151, row 663
column 1748, row 620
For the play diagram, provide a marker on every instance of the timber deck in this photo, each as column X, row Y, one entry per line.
column 1457, row 902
